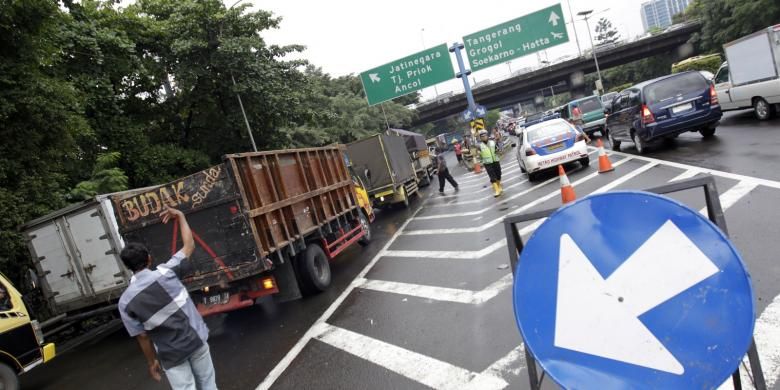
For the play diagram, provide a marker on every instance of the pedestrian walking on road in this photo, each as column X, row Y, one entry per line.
column 157, row 310
column 458, row 151
column 488, row 155
column 577, row 121
column 444, row 172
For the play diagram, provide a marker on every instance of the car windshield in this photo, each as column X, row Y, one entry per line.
column 547, row 131
column 673, row 86
column 589, row 104
column 608, row 97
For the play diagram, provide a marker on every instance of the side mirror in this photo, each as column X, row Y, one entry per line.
column 606, row 111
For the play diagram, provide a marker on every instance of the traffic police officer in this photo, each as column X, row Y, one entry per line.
column 489, row 157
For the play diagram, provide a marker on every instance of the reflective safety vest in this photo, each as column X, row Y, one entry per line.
column 487, row 152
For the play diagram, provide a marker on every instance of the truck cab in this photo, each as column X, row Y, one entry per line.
column 21, row 339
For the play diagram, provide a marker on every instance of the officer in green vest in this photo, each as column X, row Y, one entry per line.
column 488, row 155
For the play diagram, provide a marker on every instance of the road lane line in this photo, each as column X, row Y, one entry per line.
column 477, row 212
column 505, row 177
column 283, row 364
column 767, row 337
column 644, row 168
column 462, row 255
column 497, row 221
column 714, row 172
column 482, row 198
column 512, row 364
column 687, row 174
column 733, row 195
column 436, row 293
column 420, row 368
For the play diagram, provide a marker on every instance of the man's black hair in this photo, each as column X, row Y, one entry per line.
column 134, row 256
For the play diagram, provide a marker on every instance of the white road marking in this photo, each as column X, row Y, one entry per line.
column 497, row 221
column 420, row 368
column 314, row 330
column 512, row 364
column 477, row 212
column 462, row 255
column 714, row 172
column 733, row 195
column 505, row 178
column 687, row 174
column 436, row 293
column 480, row 199
column 767, row 337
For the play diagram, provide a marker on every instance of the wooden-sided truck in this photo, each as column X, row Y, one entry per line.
column 264, row 223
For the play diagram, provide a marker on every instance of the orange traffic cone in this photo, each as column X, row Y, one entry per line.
column 604, row 164
column 567, row 191
column 477, row 167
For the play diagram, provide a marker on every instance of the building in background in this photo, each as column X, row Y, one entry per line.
column 659, row 13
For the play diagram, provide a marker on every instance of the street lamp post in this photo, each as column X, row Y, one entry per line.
column 576, row 38
column 238, row 96
column 585, row 15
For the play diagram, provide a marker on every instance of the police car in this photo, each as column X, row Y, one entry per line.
column 549, row 144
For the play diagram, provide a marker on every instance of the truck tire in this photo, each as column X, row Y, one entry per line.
column 763, row 110
column 363, row 221
column 8, row 378
column 406, row 197
column 313, row 270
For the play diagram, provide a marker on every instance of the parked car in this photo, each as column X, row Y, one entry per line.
column 663, row 108
column 751, row 75
column 592, row 113
column 548, row 144
column 540, row 117
column 606, row 99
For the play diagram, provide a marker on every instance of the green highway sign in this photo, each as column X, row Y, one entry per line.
column 525, row 35
column 409, row 74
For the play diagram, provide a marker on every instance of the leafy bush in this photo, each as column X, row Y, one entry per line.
column 709, row 63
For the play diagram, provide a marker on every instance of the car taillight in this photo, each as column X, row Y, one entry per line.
column 530, row 152
column 713, row 95
column 647, row 115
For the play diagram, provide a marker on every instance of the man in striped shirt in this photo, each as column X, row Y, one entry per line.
column 157, row 310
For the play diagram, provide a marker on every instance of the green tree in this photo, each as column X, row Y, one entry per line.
column 726, row 20
column 606, row 33
column 40, row 121
column 106, row 178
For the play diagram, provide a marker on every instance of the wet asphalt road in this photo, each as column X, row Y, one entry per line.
column 473, row 337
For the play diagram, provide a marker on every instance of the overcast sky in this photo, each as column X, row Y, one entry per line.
column 349, row 36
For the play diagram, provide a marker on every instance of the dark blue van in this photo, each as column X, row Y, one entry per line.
column 663, row 108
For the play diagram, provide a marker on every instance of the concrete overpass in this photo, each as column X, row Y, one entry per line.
column 567, row 75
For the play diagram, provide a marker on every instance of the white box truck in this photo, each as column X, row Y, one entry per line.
column 750, row 77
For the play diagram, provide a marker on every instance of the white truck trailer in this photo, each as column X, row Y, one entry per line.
column 750, row 77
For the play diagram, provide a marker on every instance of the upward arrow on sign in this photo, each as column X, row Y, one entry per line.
column 599, row 316
column 374, row 77
column 553, row 18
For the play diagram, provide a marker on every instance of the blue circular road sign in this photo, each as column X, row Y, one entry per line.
column 633, row 290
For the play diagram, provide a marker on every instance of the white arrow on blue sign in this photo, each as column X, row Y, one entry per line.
column 481, row 111
column 468, row 115
column 633, row 289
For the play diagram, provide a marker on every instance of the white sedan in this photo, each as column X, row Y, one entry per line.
column 549, row 144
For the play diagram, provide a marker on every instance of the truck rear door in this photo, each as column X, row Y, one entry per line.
column 56, row 262
column 94, row 250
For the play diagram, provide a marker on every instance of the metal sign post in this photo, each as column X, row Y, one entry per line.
column 630, row 302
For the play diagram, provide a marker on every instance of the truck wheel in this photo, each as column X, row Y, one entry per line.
column 406, row 197
column 363, row 220
column 762, row 109
column 8, row 378
column 314, row 270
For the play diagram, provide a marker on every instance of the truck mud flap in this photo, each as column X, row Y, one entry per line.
column 287, row 282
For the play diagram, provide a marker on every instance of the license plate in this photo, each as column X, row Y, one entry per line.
column 555, row 147
column 215, row 299
column 682, row 107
